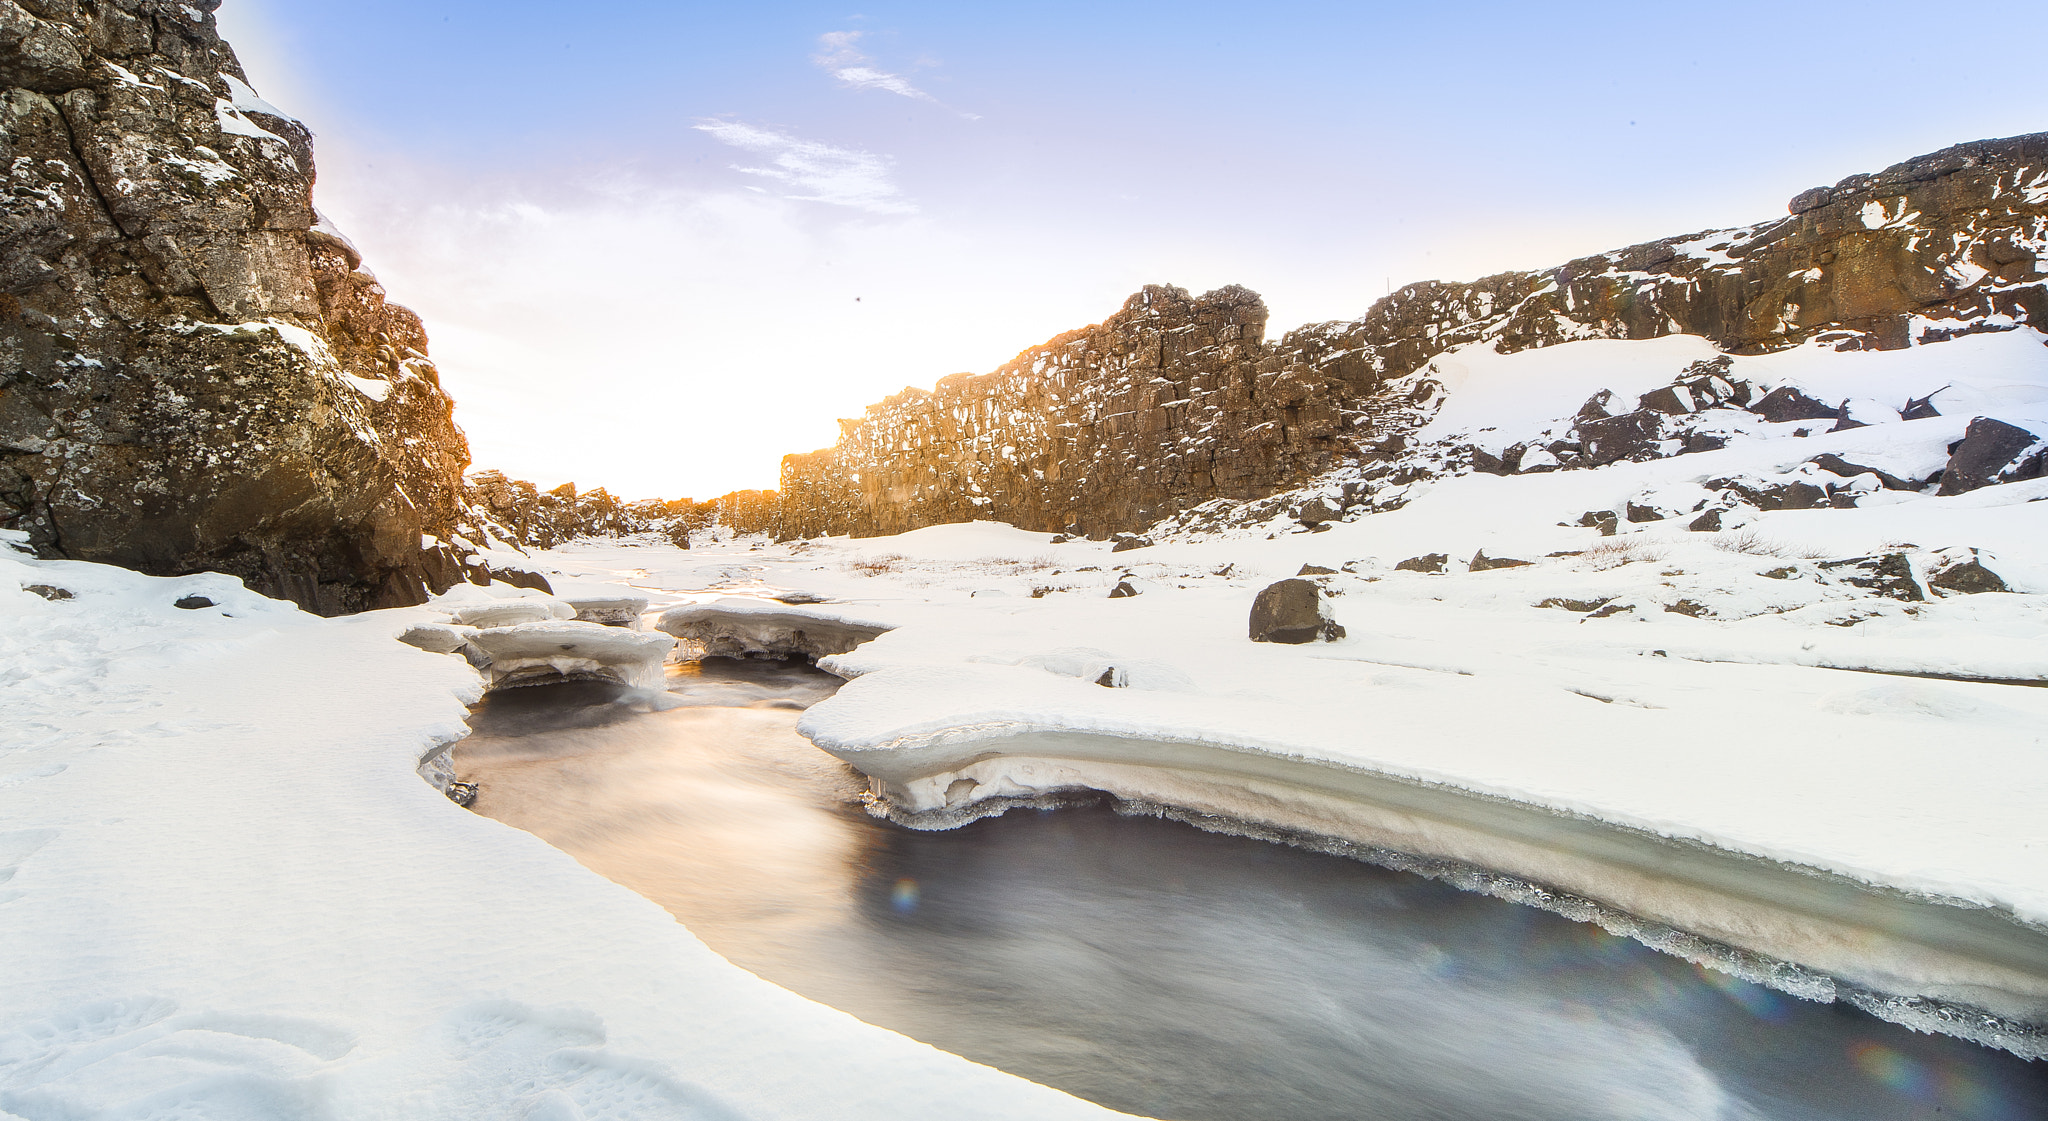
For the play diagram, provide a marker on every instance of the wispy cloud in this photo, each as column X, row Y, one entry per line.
column 840, row 57
column 839, row 176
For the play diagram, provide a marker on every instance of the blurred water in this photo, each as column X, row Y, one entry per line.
column 1165, row 971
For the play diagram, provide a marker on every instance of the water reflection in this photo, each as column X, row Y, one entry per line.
column 1170, row 972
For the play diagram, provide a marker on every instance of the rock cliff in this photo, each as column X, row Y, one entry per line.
column 1176, row 400
column 196, row 372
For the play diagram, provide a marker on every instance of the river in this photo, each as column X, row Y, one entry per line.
column 1162, row 970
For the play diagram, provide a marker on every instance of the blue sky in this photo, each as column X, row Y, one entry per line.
column 658, row 245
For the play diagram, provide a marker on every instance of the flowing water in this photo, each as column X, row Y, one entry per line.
column 1166, row 971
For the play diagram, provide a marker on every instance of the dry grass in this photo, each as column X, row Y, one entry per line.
column 1039, row 563
column 1613, row 552
column 881, row 564
column 1751, row 542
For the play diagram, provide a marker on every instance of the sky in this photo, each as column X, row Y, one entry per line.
column 659, row 245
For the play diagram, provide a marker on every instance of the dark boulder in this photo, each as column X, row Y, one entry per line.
column 1630, row 436
column 1708, row 522
column 1316, row 511
column 1292, row 611
column 507, row 574
column 1639, row 513
column 1427, row 562
column 1483, row 563
column 1581, row 605
column 1962, row 572
column 1125, row 542
column 1984, row 451
column 1921, row 408
column 1794, row 495
column 1836, row 465
column 1606, row 521
column 1124, row 590
column 1786, row 403
column 1316, row 570
column 1887, row 574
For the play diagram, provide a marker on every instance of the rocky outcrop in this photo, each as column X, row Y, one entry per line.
column 519, row 513
column 196, row 372
column 1174, row 400
column 522, row 514
column 1177, row 400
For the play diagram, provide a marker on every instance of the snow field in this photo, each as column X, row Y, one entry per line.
column 225, row 893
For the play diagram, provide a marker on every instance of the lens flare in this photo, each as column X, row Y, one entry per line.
column 903, row 896
column 1902, row 1074
column 1754, row 999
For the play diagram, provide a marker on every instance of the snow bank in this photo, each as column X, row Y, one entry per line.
column 224, row 893
column 732, row 627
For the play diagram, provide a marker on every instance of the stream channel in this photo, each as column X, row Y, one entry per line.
column 1162, row 970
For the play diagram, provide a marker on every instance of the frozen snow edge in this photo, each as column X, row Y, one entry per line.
column 1929, row 963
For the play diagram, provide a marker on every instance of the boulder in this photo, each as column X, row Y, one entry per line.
column 1483, row 563
column 1962, row 572
column 1630, row 436
column 1886, row 574
column 1316, row 570
column 1795, row 494
column 1580, row 605
column 518, row 577
column 1786, row 403
column 1639, row 513
column 1921, row 408
column 1707, row 522
column 1293, row 611
column 1427, row 562
column 1125, row 542
column 1124, row 590
column 1316, row 511
column 1836, row 465
column 1985, row 450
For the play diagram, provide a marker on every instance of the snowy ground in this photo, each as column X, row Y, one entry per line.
column 225, row 893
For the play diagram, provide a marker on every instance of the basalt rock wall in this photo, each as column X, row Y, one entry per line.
column 1177, row 400
column 1173, row 400
column 195, row 371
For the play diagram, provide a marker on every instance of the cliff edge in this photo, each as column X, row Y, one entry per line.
column 196, row 371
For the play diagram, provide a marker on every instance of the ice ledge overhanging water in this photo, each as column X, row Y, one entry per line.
column 1929, row 963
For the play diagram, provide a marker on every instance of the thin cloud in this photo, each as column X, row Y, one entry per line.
column 838, row 56
column 837, row 176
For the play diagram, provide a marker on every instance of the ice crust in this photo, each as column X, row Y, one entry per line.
column 225, row 893
column 735, row 627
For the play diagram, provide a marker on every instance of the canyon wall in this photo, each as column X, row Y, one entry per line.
column 196, row 372
column 1176, row 400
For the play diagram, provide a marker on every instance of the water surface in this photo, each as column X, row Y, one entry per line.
column 1166, row 971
